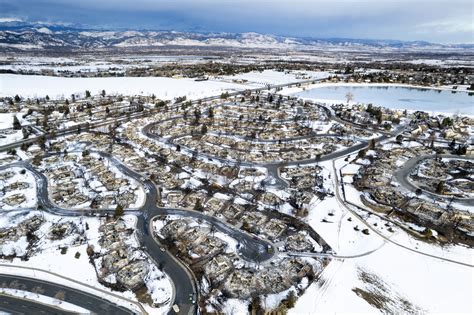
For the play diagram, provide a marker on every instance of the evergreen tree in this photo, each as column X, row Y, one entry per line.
column 118, row 211
column 440, row 188
column 198, row 205
column 203, row 129
column 16, row 123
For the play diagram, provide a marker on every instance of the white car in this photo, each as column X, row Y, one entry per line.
column 176, row 308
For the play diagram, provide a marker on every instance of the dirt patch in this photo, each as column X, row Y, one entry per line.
column 378, row 293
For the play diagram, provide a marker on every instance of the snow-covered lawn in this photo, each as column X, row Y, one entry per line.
column 7, row 134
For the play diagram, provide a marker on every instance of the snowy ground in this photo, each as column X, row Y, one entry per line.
column 383, row 269
column 429, row 284
column 163, row 88
column 7, row 134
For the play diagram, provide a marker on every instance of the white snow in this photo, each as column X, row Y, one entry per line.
column 433, row 285
column 164, row 88
column 235, row 307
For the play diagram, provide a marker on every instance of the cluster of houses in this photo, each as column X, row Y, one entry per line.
column 25, row 229
column 166, row 173
column 409, row 74
column 12, row 193
column 383, row 193
column 118, row 265
column 368, row 116
column 194, row 242
column 454, row 175
column 64, row 186
column 48, row 114
column 114, row 189
column 205, row 252
column 425, row 126
column 86, row 181
column 246, row 129
column 246, row 283
column 303, row 177
column 240, row 216
column 230, row 148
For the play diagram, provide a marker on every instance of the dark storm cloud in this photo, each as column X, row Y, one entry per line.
column 432, row 20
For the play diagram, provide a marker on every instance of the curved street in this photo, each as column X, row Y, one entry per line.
column 83, row 299
column 16, row 305
column 403, row 173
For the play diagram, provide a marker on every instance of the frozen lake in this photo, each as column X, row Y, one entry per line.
column 395, row 97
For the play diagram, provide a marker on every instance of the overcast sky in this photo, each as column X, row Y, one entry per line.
column 444, row 21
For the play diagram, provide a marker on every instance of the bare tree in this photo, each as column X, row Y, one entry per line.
column 349, row 97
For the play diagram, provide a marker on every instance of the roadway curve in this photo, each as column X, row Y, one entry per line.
column 16, row 305
column 83, row 299
column 403, row 173
column 343, row 203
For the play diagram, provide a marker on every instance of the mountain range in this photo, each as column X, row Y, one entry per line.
column 18, row 35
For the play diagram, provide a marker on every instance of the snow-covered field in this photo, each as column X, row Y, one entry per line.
column 429, row 284
column 164, row 88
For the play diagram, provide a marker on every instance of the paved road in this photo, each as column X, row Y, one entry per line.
column 403, row 173
column 80, row 298
column 15, row 305
column 183, row 281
